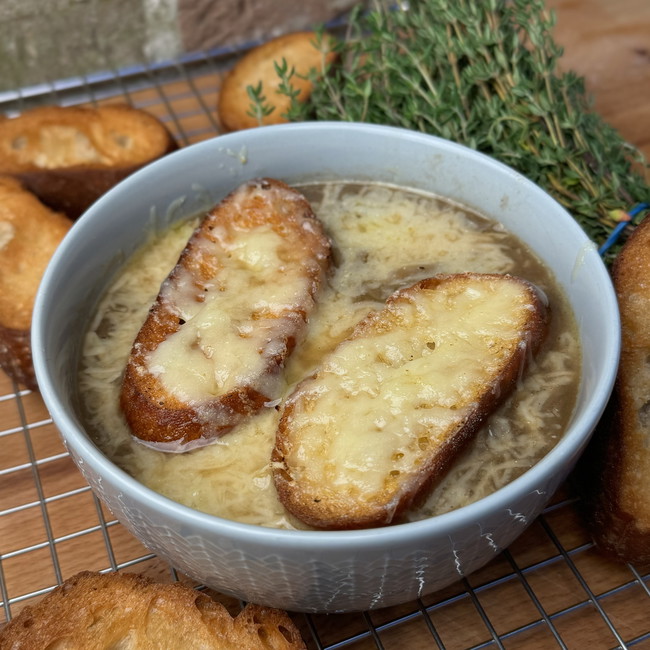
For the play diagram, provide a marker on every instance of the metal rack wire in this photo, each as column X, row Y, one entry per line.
column 549, row 589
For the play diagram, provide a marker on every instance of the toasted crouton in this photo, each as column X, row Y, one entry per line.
column 212, row 347
column 70, row 156
column 616, row 483
column 387, row 410
column 302, row 52
column 93, row 611
column 29, row 234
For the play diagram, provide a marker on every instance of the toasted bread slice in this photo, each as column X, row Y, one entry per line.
column 388, row 410
column 229, row 314
column 29, row 234
column 93, row 611
column 302, row 51
column 70, row 156
column 617, row 464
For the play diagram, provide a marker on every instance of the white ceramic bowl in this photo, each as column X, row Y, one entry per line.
column 319, row 571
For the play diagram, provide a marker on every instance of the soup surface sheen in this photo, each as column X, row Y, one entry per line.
column 383, row 238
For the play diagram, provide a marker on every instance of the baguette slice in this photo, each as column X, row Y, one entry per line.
column 213, row 345
column 389, row 409
column 302, row 52
column 93, row 611
column 70, row 156
column 29, row 234
column 616, row 469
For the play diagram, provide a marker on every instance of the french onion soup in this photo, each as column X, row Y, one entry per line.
column 383, row 239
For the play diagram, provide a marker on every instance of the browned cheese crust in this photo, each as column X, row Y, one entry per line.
column 265, row 309
column 616, row 471
column 301, row 51
column 29, row 234
column 70, row 156
column 390, row 408
column 93, row 611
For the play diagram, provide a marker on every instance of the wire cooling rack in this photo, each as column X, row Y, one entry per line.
column 549, row 589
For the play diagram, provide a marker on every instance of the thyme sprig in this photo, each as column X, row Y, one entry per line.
column 259, row 106
column 484, row 74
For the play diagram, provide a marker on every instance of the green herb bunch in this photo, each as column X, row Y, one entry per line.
column 484, row 74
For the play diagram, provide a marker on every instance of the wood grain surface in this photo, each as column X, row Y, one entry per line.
column 551, row 584
column 608, row 43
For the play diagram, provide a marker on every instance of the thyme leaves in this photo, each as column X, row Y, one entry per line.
column 484, row 74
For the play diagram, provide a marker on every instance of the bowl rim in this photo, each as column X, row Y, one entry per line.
column 569, row 446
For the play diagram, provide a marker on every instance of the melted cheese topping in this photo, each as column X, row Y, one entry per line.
column 384, row 238
column 58, row 146
column 383, row 402
column 223, row 343
column 7, row 232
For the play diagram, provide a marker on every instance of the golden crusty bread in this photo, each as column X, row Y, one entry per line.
column 70, row 156
column 29, row 234
column 93, row 611
column 301, row 50
column 212, row 347
column 388, row 410
column 615, row 473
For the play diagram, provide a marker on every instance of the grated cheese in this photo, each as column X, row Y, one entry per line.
column 384, row 238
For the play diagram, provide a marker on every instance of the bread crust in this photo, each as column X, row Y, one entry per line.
column 29, row 234
column 615, row 473
column 95, row 611
column 16, row 356
column 70, row 156
column 261, row 322
column 299, row 50
column 407, row 444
